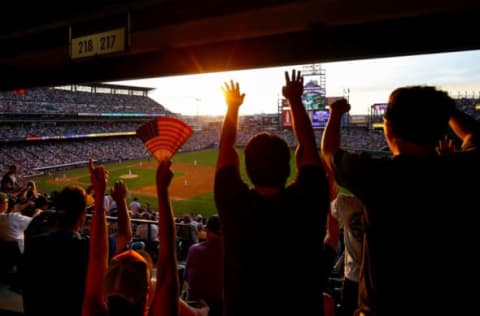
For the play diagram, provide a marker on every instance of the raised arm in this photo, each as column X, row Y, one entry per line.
column 306, row 153
column 94, row 302
column 227, row 155
column 331, row 134
column 332, row 234
column 165, row 300
column 124, row 234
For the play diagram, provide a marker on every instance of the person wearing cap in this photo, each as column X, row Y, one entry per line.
column 124, row 286
column 417, row 205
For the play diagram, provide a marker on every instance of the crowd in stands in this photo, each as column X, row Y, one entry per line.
column 30, row 156
column 48, row 233
column 467, row 105
column 15, row 131
column 234, row 264
column 52, row 100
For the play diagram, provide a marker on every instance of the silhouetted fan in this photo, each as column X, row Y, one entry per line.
column 164, row 136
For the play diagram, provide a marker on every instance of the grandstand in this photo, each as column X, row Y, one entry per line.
column 469, row 104
column 49, row 129
column 44, row 128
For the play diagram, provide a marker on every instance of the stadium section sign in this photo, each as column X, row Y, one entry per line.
column 109, row 42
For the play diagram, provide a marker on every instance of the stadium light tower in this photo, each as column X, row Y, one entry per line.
column 346, row 94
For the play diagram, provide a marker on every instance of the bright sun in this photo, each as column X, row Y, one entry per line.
column 202, row 94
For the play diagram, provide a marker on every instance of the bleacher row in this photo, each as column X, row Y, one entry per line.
column 51, row 100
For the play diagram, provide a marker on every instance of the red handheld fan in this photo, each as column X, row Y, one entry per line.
column 164, row 136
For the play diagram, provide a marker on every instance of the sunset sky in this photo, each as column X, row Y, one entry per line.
column 369, row 81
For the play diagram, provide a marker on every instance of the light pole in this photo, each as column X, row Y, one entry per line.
column 346, row 118
column 346, row 93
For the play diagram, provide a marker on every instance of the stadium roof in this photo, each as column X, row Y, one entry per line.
column 169, row 37
column 119, row 86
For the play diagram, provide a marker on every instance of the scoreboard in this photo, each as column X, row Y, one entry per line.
column 315, row 104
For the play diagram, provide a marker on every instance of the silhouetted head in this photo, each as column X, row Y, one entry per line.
column 128, row 283
column 419, row 114
column 187, row 219
column 70, row 207
column 267, row 160
column 214, row 224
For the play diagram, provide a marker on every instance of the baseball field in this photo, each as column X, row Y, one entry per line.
column 191, row 189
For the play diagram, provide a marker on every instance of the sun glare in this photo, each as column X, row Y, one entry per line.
column 367, row 82
column 202, row 94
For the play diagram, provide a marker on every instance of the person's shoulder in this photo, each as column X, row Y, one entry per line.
column 67, row 236
column 40, row 237
column 198, row 247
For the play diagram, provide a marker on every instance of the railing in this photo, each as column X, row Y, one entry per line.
column 150, row 244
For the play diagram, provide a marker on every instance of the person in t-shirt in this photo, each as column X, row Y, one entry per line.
column 417, row 205
column 265, row 274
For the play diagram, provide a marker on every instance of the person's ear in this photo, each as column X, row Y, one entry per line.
column 389, row 136
column 387, row 127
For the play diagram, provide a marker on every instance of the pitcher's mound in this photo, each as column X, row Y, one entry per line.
column 129, row 176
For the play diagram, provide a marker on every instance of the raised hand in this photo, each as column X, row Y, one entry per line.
column 119, row 191
column 293, row 88
column 445, row 146
column 340, row 106
column 98, row 177
column 232, row 94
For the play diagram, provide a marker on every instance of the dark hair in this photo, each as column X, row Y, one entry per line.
column 214, row 224
column 40, row 201
column 267, row 160
column 419, row 114
column 70, row 203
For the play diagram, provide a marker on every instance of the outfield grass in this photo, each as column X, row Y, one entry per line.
column 203, row 204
